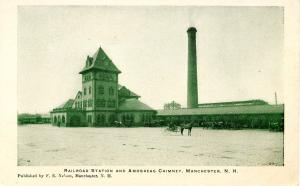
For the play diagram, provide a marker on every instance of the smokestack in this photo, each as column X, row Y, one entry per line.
column 192, row 88
column 275, row 98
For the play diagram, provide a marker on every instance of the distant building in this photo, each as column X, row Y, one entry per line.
column 33, row 118
column 102, row 101
column 172, row 105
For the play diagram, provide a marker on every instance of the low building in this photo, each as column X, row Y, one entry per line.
column 33, row 118
column 238, row 114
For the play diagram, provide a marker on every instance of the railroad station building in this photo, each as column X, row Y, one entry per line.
column 102, row 100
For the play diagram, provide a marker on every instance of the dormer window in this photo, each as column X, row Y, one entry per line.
column 89, row 61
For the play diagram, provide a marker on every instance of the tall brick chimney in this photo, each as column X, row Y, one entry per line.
column 192, row 88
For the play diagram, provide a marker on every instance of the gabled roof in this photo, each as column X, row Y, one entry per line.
column 66, row 105
column 134, row 104
column 126, row 93
column 78, row 93
column 245, row 109
column 99, row 61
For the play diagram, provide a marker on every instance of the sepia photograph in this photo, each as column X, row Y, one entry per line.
column 150, row 85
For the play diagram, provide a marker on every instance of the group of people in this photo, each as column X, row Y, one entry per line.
column 173, row 127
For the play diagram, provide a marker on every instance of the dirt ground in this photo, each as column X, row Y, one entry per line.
column 48, row 146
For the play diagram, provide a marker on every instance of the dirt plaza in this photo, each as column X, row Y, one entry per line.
column 46, row 145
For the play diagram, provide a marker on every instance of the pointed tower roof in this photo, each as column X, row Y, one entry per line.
column 99, row 61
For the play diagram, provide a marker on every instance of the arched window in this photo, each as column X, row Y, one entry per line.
column 98, row 119
column 142, row 117
column 55, row 119
column 89, row 119
column 63, row 119
column 132, row 118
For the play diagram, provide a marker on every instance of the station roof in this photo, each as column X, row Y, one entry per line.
column 66, row 105
column 235, row 103
column 125, row 92
column 134, row 104
column 245, row 109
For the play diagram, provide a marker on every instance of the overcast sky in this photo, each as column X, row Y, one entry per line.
column 239, row 51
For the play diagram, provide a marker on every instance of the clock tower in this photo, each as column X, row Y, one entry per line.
column 99, row 89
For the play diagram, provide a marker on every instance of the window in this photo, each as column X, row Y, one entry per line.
column 84, row 91
column 63, row 119
column 111, row 91
column 145, row 117
column 142, row 117
column 84, row 103
column 100, row 103
column 98, row 119
column 132, row 118
column 89, row 119
column 87, row 77
column 90, row 90
column 55, row 119
column 103, row 119
column 90, row 103
column 101, row 90
column 111, row 103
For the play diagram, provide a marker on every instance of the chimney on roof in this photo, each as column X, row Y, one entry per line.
column 192, row 87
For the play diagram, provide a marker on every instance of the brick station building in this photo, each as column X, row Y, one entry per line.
column 102, row 101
